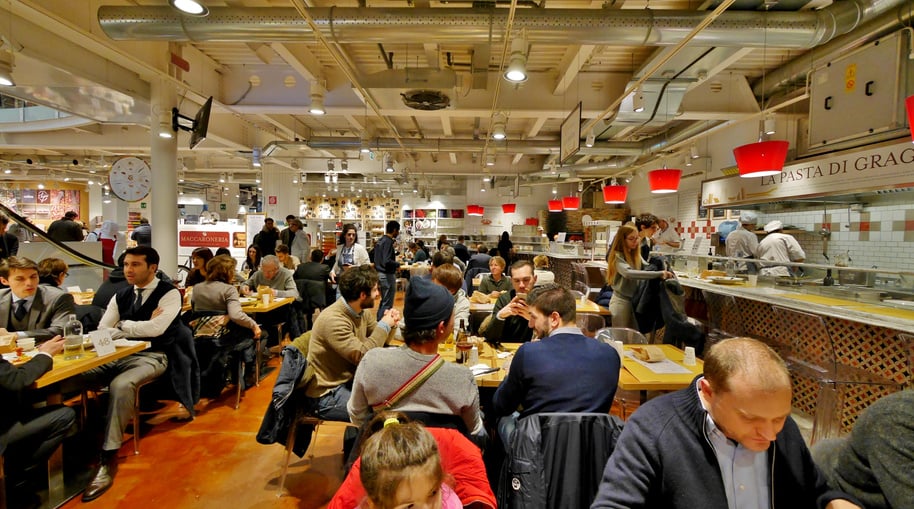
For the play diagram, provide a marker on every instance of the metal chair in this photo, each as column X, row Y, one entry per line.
column 813, row 356
column 627, row 337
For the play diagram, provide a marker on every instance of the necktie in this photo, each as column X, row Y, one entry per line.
column 138, row 302
column 20, row 311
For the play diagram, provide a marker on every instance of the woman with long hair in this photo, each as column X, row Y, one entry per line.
column 252, row 260
column 349, row 253
column 623, row 273
column 199, row 258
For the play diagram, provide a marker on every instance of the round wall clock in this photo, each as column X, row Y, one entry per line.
column 130, row 178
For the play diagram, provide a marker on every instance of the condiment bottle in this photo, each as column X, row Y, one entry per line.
column 828, row 281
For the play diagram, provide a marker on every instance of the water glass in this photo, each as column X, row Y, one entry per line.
column 73, row 347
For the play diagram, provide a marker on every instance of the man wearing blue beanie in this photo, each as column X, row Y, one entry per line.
column 447, row 388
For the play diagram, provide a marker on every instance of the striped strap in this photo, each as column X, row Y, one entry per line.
column 410, row 385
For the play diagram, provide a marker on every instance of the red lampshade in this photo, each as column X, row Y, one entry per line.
column 480, row 210
column 571, row 203
column 556, row 206
column 474, row 210
column 664, row 180
column 615, row 194
column 761, row 159
column 508, row 208
column 909, row 104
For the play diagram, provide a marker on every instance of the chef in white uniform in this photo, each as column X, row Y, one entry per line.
column 778, row 247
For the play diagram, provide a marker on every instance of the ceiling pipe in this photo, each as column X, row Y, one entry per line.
column 800, row 30
column 797, row 69
column 537, row 147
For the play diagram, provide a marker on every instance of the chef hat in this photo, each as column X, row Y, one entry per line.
column 748, row 217
column 774, row 226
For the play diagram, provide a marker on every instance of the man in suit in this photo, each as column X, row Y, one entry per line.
column 480, row 259
column 147, row 309
column 313, row 269
column 29, row 309
column 28, row 436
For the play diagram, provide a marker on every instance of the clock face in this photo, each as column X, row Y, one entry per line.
column 130, row 179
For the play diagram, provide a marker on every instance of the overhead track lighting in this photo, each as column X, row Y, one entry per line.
column 317, row 99
column 638, row 100
column 344, row 165
column 693, row 152
column 490, row 160
column 222, row 178
column 498, row 128
column 364, row 148
column 591, row 139
column 517, row 62
column 768, row 126
column 190, row 7
column 330, row 166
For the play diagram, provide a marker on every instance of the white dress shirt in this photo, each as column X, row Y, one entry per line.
column 170, row 303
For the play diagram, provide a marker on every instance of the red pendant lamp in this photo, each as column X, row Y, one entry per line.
column 614, row 193
column 508, row 208
column 475, row 210
column 571, row 203
column 556, row 206
column 761, row 159
column 909, row 104
column 664, row 180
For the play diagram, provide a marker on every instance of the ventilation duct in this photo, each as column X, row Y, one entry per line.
column 801, row 30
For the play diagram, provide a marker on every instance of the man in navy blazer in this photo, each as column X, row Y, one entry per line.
column 30, row 310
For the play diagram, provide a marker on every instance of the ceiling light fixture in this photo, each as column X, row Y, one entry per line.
column 330, row 166
column 693, row 152
column 638, row 100
column 768, row 126
column 222, row 178
column 344, row 165
column 571, row 203
column 615, row 193
column 508, row 208
column 498, row 127
column 688, row 161
column 664, row 180
column 190, row 7
column 591, row 139
column 165, row 131
column 555, row 206
column 255, row 157
column 317, row 99
column 6, row 73
column 517, row 62
column 490, row 160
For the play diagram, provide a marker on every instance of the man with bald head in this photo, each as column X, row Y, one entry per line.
column 727, row 441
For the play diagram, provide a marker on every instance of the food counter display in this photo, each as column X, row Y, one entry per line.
column 864, row 332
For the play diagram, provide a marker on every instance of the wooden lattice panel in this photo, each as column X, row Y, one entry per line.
column 873, row 349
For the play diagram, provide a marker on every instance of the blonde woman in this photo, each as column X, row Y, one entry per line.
column 624, row 273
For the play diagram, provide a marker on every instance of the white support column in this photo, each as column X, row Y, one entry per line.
column 164, row 156
column 278, row 183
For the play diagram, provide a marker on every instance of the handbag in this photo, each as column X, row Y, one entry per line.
column 211, row 326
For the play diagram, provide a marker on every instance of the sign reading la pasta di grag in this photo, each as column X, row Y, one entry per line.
column 886, row 167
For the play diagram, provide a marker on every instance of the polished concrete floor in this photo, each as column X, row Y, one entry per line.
column 214, row 461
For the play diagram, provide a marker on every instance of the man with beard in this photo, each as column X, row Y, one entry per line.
column 342, row 334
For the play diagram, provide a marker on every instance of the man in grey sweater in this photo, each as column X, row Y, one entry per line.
column 874, row 463
column 448, row 389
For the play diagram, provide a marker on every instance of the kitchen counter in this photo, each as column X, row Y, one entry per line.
column 862, row 331
column 811, row 300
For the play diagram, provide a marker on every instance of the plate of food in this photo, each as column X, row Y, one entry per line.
column 726, row 280
column 247, row 301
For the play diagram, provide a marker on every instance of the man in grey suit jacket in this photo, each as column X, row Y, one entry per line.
column 28, row 309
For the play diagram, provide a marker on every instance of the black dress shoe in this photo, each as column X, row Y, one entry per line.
column 102, row 478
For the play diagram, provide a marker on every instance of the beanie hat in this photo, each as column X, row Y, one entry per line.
column 426, row 305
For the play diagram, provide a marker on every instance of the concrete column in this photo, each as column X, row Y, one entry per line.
column 278, row 183
column 164, row 195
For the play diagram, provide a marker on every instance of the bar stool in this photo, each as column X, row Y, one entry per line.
column 812, row 356
column 627, row 337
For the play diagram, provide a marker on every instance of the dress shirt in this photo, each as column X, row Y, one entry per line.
column 744, row 472
column 152, row 328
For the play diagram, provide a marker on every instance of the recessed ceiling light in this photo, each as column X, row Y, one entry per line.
column 190, row 7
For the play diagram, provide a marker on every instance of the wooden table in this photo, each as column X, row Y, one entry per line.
column 635, row 377
column 488, row 356
column 590, row 307
column 62, row 370
column 255, row 307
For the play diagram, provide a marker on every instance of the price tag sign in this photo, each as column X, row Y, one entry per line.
column 102, row 341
